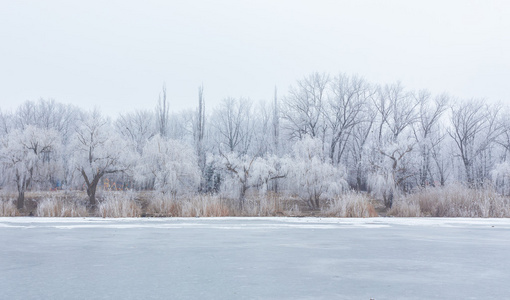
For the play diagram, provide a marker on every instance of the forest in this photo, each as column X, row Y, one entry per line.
column 336, row 145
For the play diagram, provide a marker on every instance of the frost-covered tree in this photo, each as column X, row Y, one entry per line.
column 239, row 168
column 475, row 126
column 303, row 107
column 397, row 111
column 96, row 150
column 199, row 132
column 245, row 172
column 170, row 166
column 180, row 126
column 6, row 123
column 390, row 172
column 137, row 128
column 428, row 134
column 311, row 176
column 344, row 110
column 162, row 113
column 262, row 141
column 383, row 139
column 275, row 124
column 393, row 143
column 359, row 151
column 233, row 123
column 501, row 177
column 30, row 156
column 47, row 114
column 441, row 151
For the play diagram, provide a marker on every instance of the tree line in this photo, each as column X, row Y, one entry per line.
column 325, row 135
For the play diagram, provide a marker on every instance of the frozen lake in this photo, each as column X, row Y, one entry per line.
column 254, row 258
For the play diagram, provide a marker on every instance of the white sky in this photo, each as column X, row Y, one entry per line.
column 117, row 54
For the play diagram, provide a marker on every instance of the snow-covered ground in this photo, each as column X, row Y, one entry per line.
column 254, row 258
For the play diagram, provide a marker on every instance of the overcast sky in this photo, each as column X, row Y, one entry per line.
column 117, row 54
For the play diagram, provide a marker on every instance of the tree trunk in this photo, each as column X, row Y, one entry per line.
column 91, row 189
column 314, row 201
column 91, row 192
column 388, row 199
column 242, row 195
column 359, row 180
column 317, row 203
column 22, row 184
column 469, row 173
column 310, row 203
column 21, row 199
column 92, row 186
column 275, row 186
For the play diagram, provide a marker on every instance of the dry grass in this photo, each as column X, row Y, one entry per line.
column 217, row 206
column 453, row 201
column 269, row 205
column 160, row 205
column 119, row 205
column 197, row 206
column 60, row 207
column 450, row 201
column 205, row 206
column 405, row 208
column 8, row 208
column 350, row 205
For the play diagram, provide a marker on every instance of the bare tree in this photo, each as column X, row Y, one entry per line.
column 25, row 115
column 199, row 132
column 6, row 123
column 201, row 115
column 504, row 138
column 137, row 127
column 474, row 128
column 303, row 107
column 426, row 132
column 358, row 149
column 233, row 123
column 441, row 152
column 396, row 113
column 349, row 98
column 47, row 114
column 162, row 113
column 276, row 123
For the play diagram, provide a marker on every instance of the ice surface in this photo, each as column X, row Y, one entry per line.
column 254, row 258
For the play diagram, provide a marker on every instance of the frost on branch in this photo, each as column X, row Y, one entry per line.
column 169, row 166
column 390, row 170
column 311, row 176
column 30, row 157
column 98, row 150
column 501, row 178
column 244, row 172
